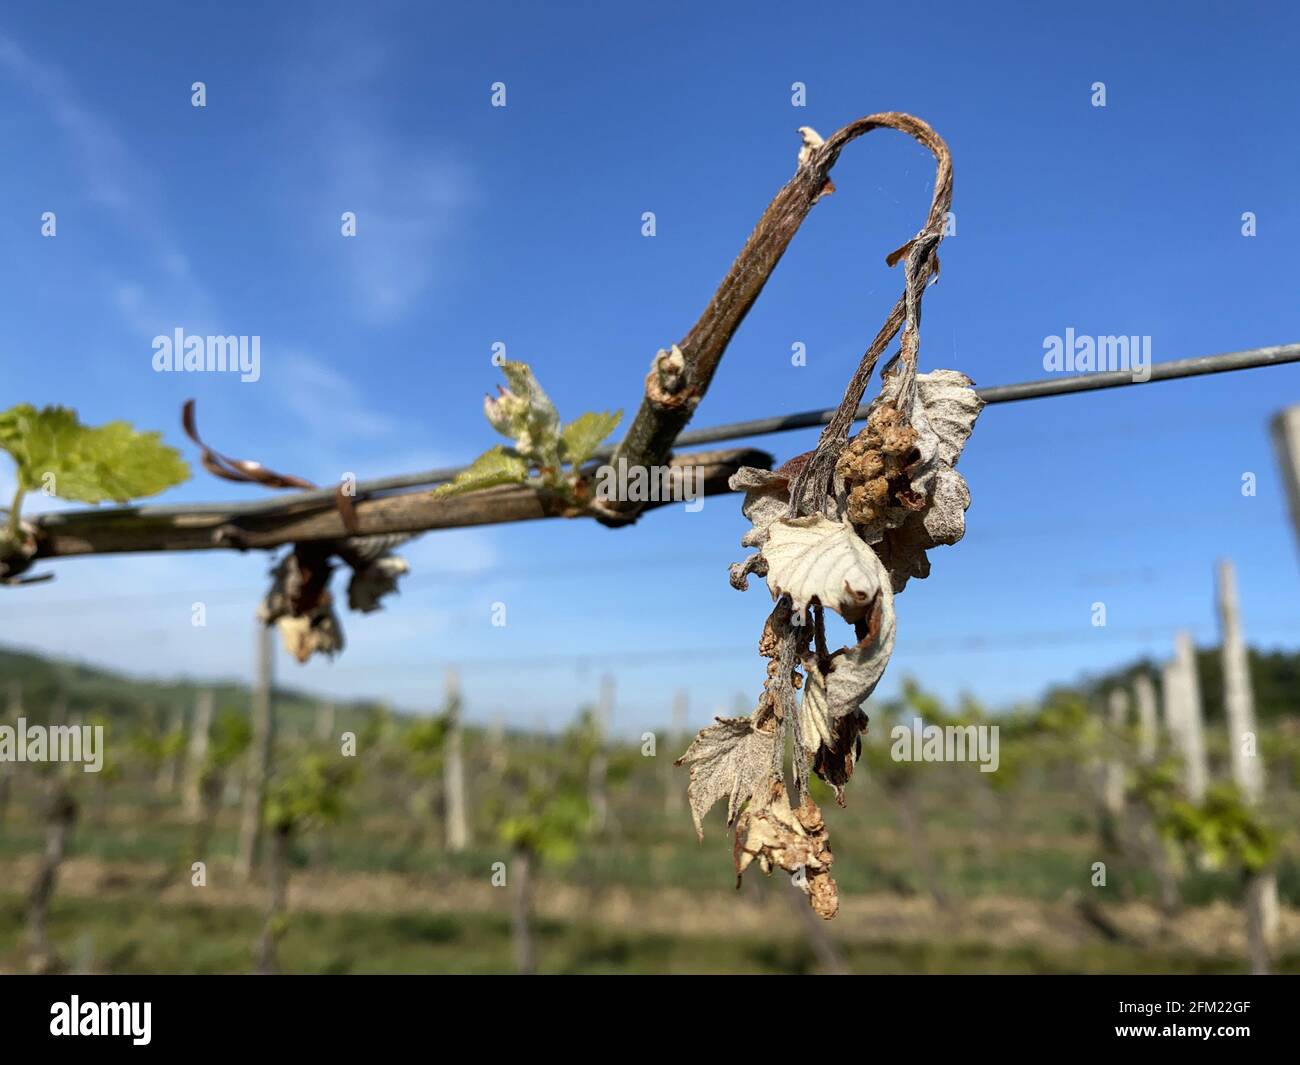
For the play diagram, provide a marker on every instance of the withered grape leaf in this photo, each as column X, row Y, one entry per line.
column 774, row 834
column 729, row 758
column 814, row 559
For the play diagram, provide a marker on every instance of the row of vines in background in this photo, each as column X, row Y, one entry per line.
column 428, row 796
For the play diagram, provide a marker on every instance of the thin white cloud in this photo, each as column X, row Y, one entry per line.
column 408, row 196
column 103, row 154
column 407, row 203
column 120, row 182
column 326, row 402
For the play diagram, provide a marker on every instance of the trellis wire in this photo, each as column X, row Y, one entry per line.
column 1051, row 386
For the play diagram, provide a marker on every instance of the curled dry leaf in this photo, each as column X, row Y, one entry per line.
column 835, row 760
column 814, row 708
column 298, row 581
column 767, row 498
column 774, row 834
column 855, row 671
column 730, row 758
column 300, row 605
column 317, row 633
column 816, row 560
column 376, row 579
column 375, row 569
column 299, row 602
column 830, row 715
column 831, row 740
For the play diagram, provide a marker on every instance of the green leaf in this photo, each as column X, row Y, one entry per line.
column 309, row 791
column 499, row 465
column 586, row 433
column 87, row 464
column 427, row 736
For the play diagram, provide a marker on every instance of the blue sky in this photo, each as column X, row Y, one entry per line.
column 522, row 225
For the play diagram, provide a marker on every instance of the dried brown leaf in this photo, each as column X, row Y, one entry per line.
column 830, row 714
column 835, row 760
column 374, row 580
column 774, row 834
column 767, row 497
column 729, row 758
column 855, row 671
column 309, row 634
column 816, row 560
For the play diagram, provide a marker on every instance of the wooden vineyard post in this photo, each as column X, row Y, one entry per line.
column 597, row 796
column 1183, row 716
column 1247, row 767
column 197, row 755
column 453, row 769
column 1144, row 695
column 259, row 755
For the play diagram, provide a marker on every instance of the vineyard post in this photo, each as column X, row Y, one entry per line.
column 1183, row 713
column 169, row 777
column 1097, row 767
column 597, row 799
column 1169, row 704
column 1113, row 786
column 496, row 746
column 60, row 815
column 453, row 769
column 1144, row 695
column 1286, row 442
column 324, row 732
column 1148, row 717
column 197, row 756
column 259, row 755
column 1247, row 766
column 325, row 721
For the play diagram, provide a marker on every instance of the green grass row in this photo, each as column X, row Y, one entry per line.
column 131, row 934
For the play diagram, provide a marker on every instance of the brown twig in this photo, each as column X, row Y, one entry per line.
column 674, row 389
column 134, row 529
column 808, row 494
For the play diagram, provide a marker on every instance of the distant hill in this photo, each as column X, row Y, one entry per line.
column 90, row 689
column 1275, row 677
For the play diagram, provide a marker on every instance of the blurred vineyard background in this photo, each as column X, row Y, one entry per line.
column 393, row 859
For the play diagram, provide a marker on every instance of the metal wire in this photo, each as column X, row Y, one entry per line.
column 1050, row 386
column 782, row 423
